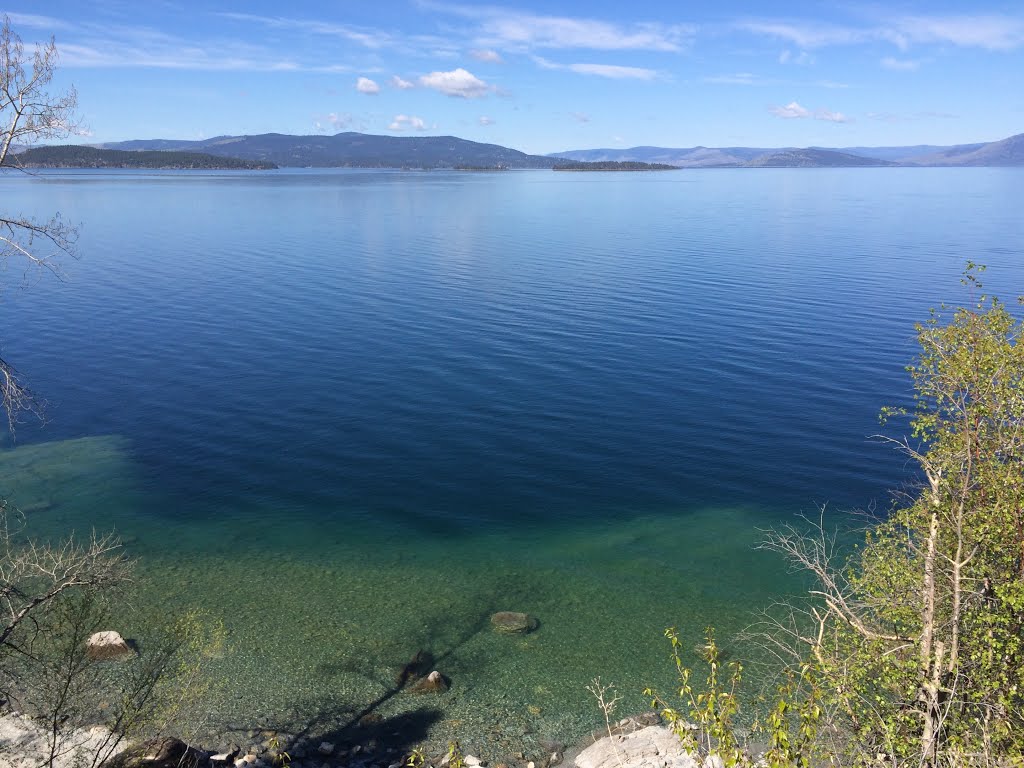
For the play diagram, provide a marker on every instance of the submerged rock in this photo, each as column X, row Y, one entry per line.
column 512, row 622
column 418, row 666
column 435, row 682
column 106, row 646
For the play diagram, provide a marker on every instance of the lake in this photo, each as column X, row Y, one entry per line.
column 353, row 413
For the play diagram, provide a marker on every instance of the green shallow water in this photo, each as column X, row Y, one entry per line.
column 320, row 620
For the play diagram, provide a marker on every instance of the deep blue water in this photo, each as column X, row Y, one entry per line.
column 459, row 355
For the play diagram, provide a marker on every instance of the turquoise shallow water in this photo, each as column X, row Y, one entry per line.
column 351, row 414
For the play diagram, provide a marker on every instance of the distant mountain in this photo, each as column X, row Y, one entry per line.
column 997, row 153
column 1008, row 152
column 73, row 156
column 694, row 157
column 814, row 158
column 904, row 154
column 352, row 150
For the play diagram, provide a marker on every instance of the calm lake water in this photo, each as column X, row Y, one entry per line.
column 352, row 413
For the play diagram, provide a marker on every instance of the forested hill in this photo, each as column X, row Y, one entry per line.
column 353, row 150
column 72, row 156
column 814, row 158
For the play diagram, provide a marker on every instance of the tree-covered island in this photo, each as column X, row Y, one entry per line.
column 72, row 156
column 614, row 165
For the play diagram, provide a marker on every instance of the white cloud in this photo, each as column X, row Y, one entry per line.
column 407, row 123
column 458, row 83
column 790, row 111
column 367, row 86
column 900, row 65
column 487, row 55
column 794, row 111
column 400, row 84
column 485, row 121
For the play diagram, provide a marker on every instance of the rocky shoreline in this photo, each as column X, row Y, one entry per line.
column 635, row 742
column 371, row 741
column 366, row 740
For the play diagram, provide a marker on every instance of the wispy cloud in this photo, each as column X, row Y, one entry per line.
column 333, row 121
column 400, row 84
column 367, row 86
column 794, row 111
column 368, row 38
column 803, row 59
column 508, row 28
column 486, row 55
column 34, row 21
column 739, row 78
column 900, row 65
column 990, row 31
column 458, row 83
column 893, row 117
column 485, row 121
column 806, row 34
column 832, row 117
column 612, row 71
column 995, row 32
column 407, row 123
column 581, row 117
column 185, row 57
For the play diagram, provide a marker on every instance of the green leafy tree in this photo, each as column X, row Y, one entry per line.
column 918, row 638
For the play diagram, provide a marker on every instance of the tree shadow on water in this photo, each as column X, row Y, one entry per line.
column 383, row 735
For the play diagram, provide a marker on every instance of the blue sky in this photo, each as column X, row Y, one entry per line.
column 543, row 77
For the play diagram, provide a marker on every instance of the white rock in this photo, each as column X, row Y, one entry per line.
column 649, row 747
column 473, row 761
column 325, row 748
column 108, row 645
column 531, row 764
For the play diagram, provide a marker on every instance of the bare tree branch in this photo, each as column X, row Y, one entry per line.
column 29, row 113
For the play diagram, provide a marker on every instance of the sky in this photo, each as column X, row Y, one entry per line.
column 542, row 76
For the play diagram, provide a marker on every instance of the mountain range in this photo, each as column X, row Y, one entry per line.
column 1007, row 152
column 360, row 150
